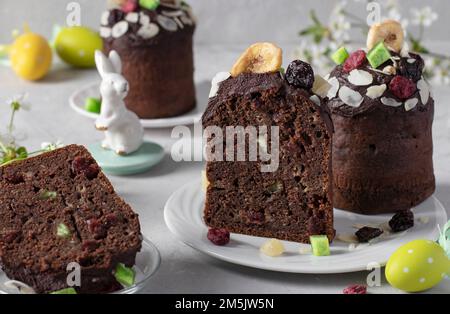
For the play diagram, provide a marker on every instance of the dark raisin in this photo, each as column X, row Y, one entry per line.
column 411, row 70
column 115, row 16
column 81, row 165
column 89, row 245
column 219, row 236
column 111, row 220
column 402, row 87
column 356, row 60
column 300, row 74
column 402, row 221
column 97, row 229
column 255, row 217
column 365, row 234
column 355, row 289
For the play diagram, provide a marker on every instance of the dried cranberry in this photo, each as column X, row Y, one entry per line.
column 402, row 87
column 111, row 219
column 355, row 289
column 97, row 228
column 365, row 234
column 402, row 221
column 219, row 236
column 300, row 74
column 115, row 16
column 354, row 61
column 130, row 6
column 411, row 70
column 86, row 167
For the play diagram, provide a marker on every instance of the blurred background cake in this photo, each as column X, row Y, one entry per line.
column 154, row 40
column 382, row 112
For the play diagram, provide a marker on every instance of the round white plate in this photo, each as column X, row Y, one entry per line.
column 77, row 101
column 183, row 214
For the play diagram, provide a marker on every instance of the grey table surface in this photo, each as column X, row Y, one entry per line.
column 184, row 270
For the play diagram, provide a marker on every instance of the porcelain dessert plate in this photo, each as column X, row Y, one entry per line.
column 77, row 102
column 148, row 261
column 183, row 214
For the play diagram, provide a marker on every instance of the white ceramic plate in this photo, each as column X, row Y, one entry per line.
column 148, row 261
column 183, row 214
column 77, row 101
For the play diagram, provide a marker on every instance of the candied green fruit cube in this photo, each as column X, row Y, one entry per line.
column 378, row 55
column 149, row 4
column 340, row 56
column 125, row 275
column 65, row 291
column 62, row 231
column 320, row 245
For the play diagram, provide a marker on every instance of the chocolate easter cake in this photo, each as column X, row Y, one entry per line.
column 382, row 113
column 58, row 208
column 154, row 40
column 294, row 200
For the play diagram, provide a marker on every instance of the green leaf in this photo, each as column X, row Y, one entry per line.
column 22, row 152
column 417, row 46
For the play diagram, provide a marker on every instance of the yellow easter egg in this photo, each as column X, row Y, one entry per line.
column 31, row 56
column 77, row 45
column 417, row 266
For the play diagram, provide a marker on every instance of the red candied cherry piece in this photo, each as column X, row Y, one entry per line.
column 130, row 6
column 354, row 61
column 219, row 236
column 355, row 289
column 402, row 87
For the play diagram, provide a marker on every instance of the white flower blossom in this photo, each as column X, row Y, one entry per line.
column 339, row 27
column 49, row 146
column 425, row 16
column 20, row 100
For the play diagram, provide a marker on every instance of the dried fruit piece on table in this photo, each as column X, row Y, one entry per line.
column 259, row 58
column 365, row 234
column 355, row 289
column 402, row 87
column 378, row 55
column 340, row 56
column 402, row 221
column 355, row 60
column 272, row 248
column 219, row 236
column 300, row 74
column 390, row 32
column 320, row 245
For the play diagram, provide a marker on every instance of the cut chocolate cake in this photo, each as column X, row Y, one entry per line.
column 58, row 208
column 294, row 201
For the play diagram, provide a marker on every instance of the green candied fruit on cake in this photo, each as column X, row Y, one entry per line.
column 93, row 105
column 340, row 56
column 149, row 4
column 62, row 231
column 125, row 275
column 320, row 245
column 378, row 55
column 65, row 291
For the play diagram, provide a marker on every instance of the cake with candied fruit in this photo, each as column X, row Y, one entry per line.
column 154, row 40
column 58, row 210
column 382, row 113
column 293, row 199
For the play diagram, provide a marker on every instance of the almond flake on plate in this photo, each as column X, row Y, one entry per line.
column 350, row 97
column 390, row 102
column 411, row 103
column 360, row 78
column 376, row 91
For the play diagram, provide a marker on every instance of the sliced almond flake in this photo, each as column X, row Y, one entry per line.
column 360, row 78
column 411, row 60
column 105, row 32
column 218, row 78
column 132, row 17
column 186, row 20
column 105, row 18
column 334, row 87
column 350, row 97
column 148, row 31
column 327, row 77
column 347, row 238
column 411, row 103
column 315, row 99
column 405, row 50
column 177, row 20
column 120, row 29
column 390, row 102
column 321, row 86
column 171, row 5
column 144, row 19
column 424, row 91
column 176, row 13
column 376, row 91
column 167, row 23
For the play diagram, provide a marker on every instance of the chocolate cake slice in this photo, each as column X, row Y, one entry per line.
column 59, row 208
column 294, row 201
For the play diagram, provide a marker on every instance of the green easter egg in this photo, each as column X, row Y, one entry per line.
column 77, row 45
column 417, row 266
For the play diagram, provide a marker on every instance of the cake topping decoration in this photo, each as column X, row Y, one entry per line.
column 148, row 31
column 360, row 78
column 376, row 91
column 105, row 18
column 315, row 99
column 149, row 4
column 411, row 104
column 334, row 87
column 105, row 32
column 389, row 70
column 219, row 78
column 321, row 86
column 390, row 102
column 402, row 87
column 259, row 58
column 378, row 55
column 119, row 29
column 340, row 56
column 350, row 97
column 390, row 32
column 424, row 91
column 132, row 17
column 300, row 74
column 412, row 70
column 144, row 19
column 129, row 6
column 355, row 60
column 167, row 23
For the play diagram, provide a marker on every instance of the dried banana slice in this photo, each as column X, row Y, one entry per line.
column 389, row 31
column 259, row 58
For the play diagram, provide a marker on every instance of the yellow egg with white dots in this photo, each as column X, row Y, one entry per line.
column 417, row 266
column 31, row 56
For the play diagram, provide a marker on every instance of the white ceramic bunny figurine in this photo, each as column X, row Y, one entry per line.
column 123, row 130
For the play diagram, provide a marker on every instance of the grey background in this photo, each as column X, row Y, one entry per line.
column 220, row 21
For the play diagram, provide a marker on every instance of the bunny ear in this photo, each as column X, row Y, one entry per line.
column 103, row 64
column 115, row 61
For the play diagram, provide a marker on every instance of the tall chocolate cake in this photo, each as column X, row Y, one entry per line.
column 154, row 40
column 294, row 201
column 382, row 113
